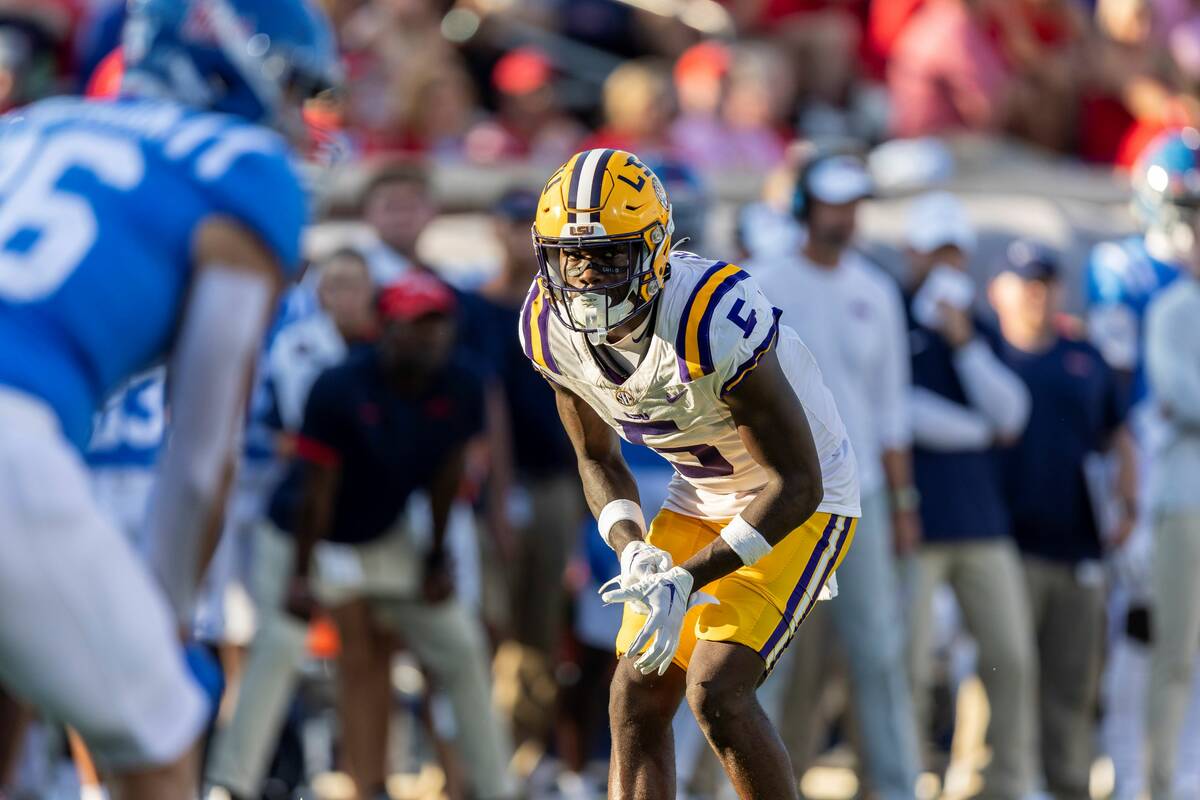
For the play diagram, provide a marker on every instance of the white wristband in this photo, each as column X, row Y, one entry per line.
column 617, row 511
column 744, row 540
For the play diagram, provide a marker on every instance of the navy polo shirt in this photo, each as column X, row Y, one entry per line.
column 540, row 445
column 476, row 344
column 962, row 494
column 1077, row 404
column 387, row 445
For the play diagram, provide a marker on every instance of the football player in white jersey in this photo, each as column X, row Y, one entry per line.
column 686, row 356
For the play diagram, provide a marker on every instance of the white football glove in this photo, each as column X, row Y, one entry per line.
column 668, row 597
column 639, row 560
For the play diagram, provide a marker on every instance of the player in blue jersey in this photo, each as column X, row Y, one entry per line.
column 1123, row 277
column 154, row 227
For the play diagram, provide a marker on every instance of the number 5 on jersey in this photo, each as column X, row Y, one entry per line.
column 712, row 463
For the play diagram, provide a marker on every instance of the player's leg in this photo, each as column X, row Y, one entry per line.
column 721, row 682
column 640, row 710
column 761, row 607
column 84, row 632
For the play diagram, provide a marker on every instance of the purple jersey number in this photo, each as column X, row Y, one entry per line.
column 745, row 323
column 712, row 463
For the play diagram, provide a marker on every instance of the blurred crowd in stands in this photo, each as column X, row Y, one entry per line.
column 700, row 87
column 714, row 82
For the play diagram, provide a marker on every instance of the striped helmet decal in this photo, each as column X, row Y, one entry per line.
column 587, row 184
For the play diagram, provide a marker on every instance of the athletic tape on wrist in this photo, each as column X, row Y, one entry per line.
column 617, row 511
column 747, row 542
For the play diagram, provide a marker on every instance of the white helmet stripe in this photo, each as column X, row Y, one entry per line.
column 587, row 176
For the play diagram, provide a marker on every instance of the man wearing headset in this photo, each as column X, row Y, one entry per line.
column 851, row 316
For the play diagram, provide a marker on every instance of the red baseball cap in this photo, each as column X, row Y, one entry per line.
column 416, row 295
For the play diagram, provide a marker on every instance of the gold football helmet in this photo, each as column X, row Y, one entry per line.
column 604, row 210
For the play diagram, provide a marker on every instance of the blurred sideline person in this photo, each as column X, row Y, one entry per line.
column 305, row 348
column 1173, row 373
column 1077, row 408
column 851, row 316
column 965, row 402
column 545, row 508
column 198, row 291
column 392, row 419
column 397, row 205
column 249, row 727
column 686, row 356
column 1123, row 278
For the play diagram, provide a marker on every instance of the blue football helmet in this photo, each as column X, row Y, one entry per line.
column 258, row 59
column 1166, row 193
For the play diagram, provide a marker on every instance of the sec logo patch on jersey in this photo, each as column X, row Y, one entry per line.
column 625, row 397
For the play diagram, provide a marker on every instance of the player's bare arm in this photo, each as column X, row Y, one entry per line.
column 774, row 428
column 233, row 290
column 602, row 468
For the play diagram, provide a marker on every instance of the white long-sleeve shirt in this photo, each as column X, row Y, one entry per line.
column 1173, row 370
column 851, row 317
column 999, row 405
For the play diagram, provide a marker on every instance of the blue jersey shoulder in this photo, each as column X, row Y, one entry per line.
column 1122, row 272
column 99, row 206
column 247, row 172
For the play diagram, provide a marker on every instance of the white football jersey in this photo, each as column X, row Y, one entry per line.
column 713, row 325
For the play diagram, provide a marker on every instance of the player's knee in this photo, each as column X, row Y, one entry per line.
column 716, row 703
column 633, row 698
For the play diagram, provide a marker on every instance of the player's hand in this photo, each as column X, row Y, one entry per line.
column 299, row 601
column 668, row 596
column 438, row 585
column 906, row 531
column 639, row 561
